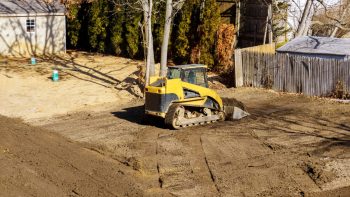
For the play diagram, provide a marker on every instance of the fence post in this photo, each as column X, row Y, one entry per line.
column 238, row 68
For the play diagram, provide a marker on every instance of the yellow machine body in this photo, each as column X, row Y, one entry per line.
column 164, row 92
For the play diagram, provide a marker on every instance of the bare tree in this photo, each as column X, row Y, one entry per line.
column 146, row 6
column 307, row 15
column 171, row 9
column 338, row 19
column 305, row 20
column 165, row 43
column 342, row 17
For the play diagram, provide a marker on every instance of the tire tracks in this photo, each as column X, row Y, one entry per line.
column 212, row 176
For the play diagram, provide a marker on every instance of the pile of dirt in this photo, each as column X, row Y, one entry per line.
column 216, row 82
column 233, row 103
column 35, row 162
column 216, row 85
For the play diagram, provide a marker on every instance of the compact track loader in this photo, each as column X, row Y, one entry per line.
column 184, row 99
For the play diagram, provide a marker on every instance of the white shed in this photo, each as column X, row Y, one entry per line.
column 32, row 27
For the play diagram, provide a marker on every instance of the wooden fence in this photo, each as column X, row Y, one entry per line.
column 293, row 73
column 240, row 56
column 267, row 48
column 258, row 69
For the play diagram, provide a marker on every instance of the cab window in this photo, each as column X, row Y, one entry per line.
column 195, row 76
column 174, row 73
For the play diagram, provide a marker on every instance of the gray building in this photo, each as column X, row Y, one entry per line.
column 321, row 47
column 32, row 27
column 250, row 18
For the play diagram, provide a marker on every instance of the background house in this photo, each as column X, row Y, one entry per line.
column 252, row 20
column 32, row 27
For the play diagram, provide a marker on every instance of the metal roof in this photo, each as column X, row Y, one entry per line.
column 29, row 7
column 318, row 45
column 188, row 66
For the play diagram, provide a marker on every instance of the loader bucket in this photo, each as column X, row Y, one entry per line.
column 234, row 109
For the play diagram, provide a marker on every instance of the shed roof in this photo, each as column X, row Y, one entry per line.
column 318, row 45
column 17, row 7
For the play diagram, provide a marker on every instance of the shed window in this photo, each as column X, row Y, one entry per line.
column 30, row 23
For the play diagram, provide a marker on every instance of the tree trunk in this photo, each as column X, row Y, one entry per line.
column 266, row 29
column 147, row 6
column 270, row 23
column 238, row 22
column 145, row 17
column 165, row 44
column 149, row 42
column 150, row 51
column 308, row 21
column 303, row 24
column 336, row 29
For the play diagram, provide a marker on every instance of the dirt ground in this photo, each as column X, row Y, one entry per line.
column 34, row 162
column 86, row 81
column 291, row 145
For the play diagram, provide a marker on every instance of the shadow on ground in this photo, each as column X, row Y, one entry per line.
column 137, row 115
column 297, row 123
column 70, row 66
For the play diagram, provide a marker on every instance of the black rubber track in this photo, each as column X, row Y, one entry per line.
column 170, row 115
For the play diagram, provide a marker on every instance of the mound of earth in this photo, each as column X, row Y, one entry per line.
column 35, row 162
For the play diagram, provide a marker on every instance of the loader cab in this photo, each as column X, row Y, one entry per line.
column 193, row 73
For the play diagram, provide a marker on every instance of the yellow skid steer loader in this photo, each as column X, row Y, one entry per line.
column 183, row 98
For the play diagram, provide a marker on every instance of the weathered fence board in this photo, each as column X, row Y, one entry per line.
column 238, row 68
column 239, row 73
column 312, row 76
column 260, row 71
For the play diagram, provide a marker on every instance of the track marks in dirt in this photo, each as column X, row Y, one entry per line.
column 264, row 154
column 318, row 138
column 103, row 131
column 317, row 141
column 244, row 166
column 182, row 167
column 212, row 176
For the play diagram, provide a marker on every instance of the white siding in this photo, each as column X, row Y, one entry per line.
column 49, row 36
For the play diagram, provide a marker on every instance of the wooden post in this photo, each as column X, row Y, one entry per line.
column 238, row 68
